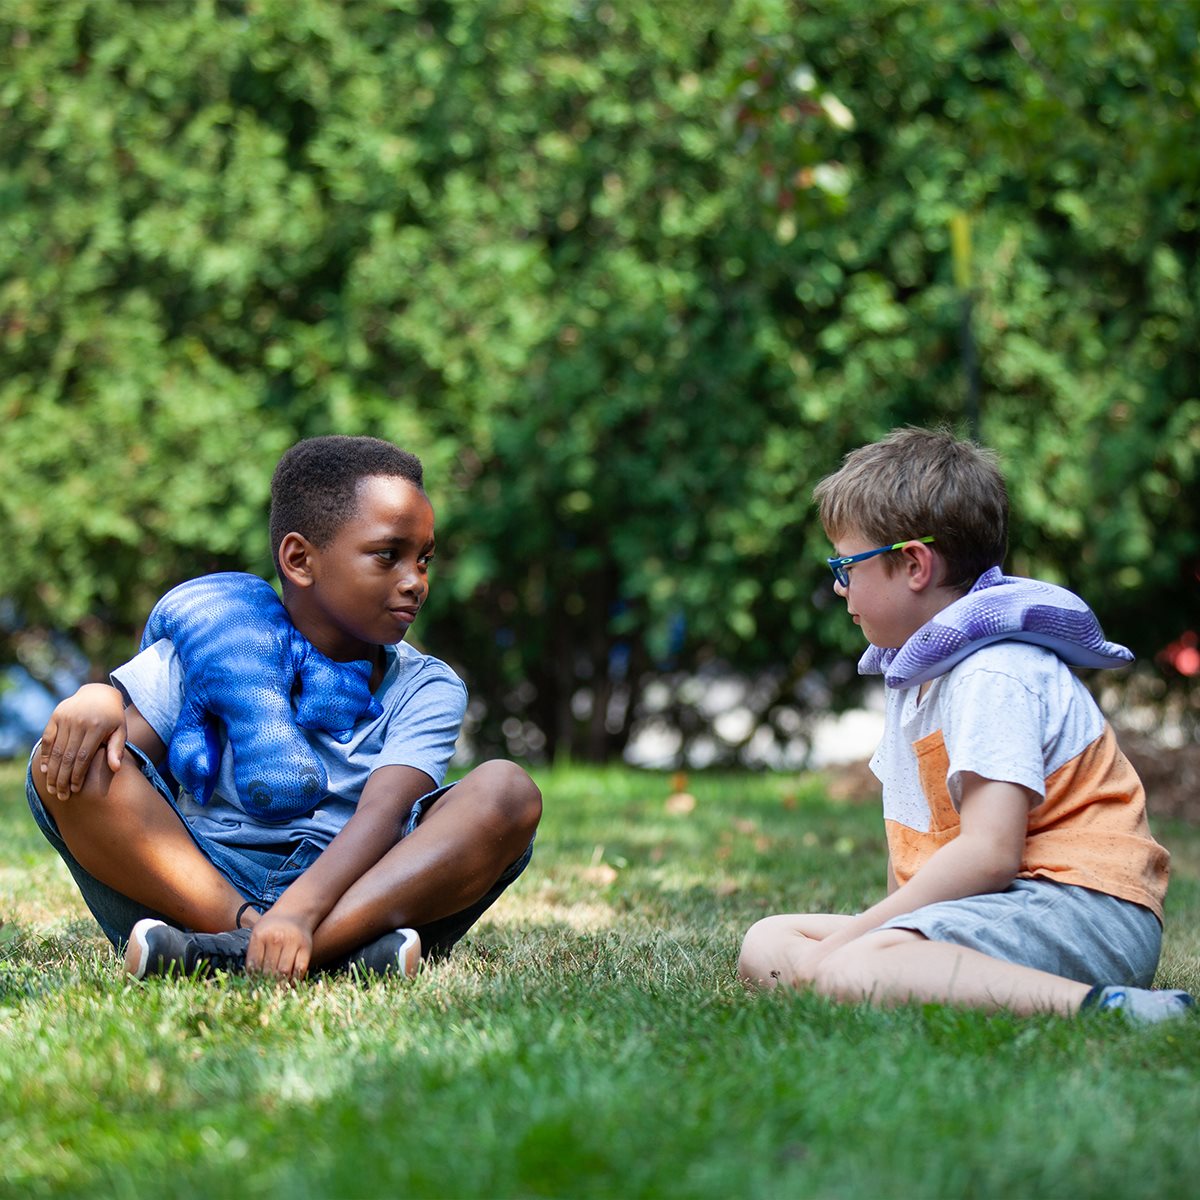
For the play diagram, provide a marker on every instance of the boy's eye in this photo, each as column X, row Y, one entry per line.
column 392, row 555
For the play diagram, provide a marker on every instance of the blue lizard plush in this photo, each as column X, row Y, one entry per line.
column 249, row 672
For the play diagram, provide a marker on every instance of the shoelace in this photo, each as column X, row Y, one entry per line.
column 219, row 950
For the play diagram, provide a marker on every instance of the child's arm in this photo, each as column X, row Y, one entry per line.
column 283, row 938
column 94, row 717
column 984, row 857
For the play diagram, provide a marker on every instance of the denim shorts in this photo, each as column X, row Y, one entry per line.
column 261, row 874
column 1069, row 931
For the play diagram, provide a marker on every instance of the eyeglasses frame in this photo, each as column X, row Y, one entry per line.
column 838, row 565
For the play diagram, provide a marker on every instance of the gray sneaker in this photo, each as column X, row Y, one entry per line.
column 156, row 948
column 1140, row 1006
column 396, row 953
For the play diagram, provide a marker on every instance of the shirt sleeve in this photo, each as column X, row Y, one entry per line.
column 424, row 730
column 992, row 726
column 153, row 683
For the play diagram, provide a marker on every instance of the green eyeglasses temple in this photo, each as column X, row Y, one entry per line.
column 838, row 565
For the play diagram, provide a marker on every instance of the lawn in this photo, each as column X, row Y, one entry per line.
column 588, row 1040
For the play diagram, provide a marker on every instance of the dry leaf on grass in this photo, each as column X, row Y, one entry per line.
column 680, row 804
column 601, row 874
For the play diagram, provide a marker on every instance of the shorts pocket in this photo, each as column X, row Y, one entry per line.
column 280, row 878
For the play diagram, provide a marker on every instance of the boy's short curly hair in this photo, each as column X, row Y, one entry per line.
column 920, row 482
column 314, row 490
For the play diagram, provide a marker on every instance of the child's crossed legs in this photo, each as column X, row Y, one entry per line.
column 1036, row 947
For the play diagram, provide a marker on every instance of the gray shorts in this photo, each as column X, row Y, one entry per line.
column 1056, row 927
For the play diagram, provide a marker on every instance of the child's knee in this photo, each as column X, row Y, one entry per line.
column 758, row 962
column 514, row 796
column 93, row 792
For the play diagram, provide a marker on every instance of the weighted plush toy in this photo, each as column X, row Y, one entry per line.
column 248, row 671
column 999, row 607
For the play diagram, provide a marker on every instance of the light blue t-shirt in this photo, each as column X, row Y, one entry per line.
column 423, row 703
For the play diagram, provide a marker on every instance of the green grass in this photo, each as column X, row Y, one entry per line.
column 589, row 1040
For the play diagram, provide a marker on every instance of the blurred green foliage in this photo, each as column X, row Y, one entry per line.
column 629, row 276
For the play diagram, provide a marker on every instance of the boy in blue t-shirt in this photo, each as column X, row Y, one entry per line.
column 385, row 865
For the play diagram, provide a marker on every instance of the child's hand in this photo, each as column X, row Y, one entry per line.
column 78, row 727
column 279, row 945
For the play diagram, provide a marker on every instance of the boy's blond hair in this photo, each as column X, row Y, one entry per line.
column 916, row 483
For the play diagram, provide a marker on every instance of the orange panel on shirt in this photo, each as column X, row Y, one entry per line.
column 1090, row 830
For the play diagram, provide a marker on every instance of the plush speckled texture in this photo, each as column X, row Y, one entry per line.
column 997, row 608
column 248, row 671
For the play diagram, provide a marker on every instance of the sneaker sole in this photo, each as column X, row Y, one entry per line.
column 404, row 963
column 137, row 952
column 408, row 958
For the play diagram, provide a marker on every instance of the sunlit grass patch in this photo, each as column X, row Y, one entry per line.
column 588, row 1039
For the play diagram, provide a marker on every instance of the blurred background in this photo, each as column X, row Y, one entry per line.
column 630, row 277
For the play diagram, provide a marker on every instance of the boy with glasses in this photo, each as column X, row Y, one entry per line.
column 1021, row 870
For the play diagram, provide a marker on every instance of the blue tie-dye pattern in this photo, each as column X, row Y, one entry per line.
column 248, row 671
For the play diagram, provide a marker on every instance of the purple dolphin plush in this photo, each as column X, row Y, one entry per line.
column 249, row 672
column 999, row 607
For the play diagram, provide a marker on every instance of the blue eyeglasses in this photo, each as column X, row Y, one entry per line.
column 839, row 565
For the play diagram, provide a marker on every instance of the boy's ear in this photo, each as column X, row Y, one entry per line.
column 921, row 565
column 295, row 560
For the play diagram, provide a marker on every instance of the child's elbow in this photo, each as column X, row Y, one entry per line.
column 988, row 864
column 1002, row 881
column 997, row 870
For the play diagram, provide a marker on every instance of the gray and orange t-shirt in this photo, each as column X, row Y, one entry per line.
column 1014, row 712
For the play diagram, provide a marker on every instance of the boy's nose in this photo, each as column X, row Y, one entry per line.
column 839, row 589
column 414, row 584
